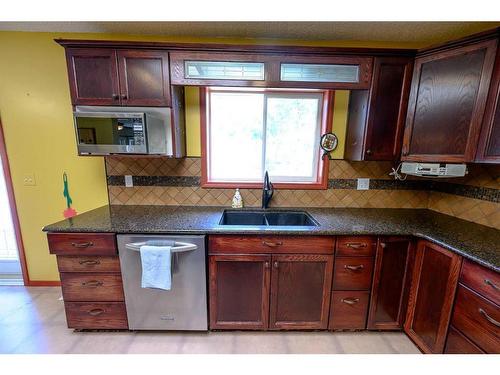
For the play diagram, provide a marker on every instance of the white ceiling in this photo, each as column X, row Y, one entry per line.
column 422, row 33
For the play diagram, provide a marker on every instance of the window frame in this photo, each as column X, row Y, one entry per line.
column 326, row 116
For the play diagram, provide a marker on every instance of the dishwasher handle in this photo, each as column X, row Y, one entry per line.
column 180, row 247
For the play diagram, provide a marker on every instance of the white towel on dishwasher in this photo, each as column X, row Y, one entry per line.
column 156, row 259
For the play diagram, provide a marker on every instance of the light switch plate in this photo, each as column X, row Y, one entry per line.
column 128, row 181
column 363, row 183
column 29, row 180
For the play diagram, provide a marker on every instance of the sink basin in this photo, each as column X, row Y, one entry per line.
column 268, row 218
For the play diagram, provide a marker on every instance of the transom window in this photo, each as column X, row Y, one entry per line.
column 249, row 131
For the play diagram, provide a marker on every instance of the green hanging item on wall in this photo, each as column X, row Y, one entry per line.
column 69, row 211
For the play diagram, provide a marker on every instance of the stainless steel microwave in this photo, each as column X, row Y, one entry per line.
column 124, row 130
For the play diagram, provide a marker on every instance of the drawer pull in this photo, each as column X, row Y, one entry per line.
column 354, row 268
column 272, row 244
column 350, row 301
column 89, row 262
column 92, row 283
column 356, row 245
column 491, row 283
column 489, row 318
column 82, row 244
column 96, row 312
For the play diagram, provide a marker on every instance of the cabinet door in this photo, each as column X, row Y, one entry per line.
column 239, row 291
column 391, row 276
column 144, row 78
column 93, row 76
column 433, row 286
column 489, row 140
column 300, row 291
column 446, row 104
column 388, row 103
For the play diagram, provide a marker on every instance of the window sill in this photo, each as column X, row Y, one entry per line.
column 258, row 185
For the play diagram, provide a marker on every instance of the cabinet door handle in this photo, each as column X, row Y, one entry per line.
column 350, row 301
column 356, row 245
column 383, row 245
column 82, row 244
column 489, row 318
column 368, row 152
column 276, row 265
column 124, row 96
column 272, row 244
column 89, row 262
column 266, row 264
column 92, row 283
column 492, row 284
column 96, row 312
column 359, row 267
column 115, row 96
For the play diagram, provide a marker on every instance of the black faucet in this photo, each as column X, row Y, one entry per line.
column 267, row 191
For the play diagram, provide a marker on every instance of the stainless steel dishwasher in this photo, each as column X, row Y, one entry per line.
column 184, row 307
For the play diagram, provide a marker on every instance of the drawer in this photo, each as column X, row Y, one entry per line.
column 457, row 343
column 352, row 273
column 348, row 309
column 232, row 244
column 82, row 243
column 96, row 315
column 361, row 246
column 86, row 287
column 88, row 263
column 482, row 280
column 478, row 319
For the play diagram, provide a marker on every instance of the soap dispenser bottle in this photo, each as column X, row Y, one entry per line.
column 237, row 200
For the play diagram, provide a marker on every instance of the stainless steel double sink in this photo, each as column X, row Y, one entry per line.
column 267, row 218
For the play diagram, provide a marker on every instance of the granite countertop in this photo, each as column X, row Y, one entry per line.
column 473, row 241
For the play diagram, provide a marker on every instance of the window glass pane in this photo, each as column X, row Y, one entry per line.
column 292, row 137
column 320, row 73
column 224, row 70
column 236, row 129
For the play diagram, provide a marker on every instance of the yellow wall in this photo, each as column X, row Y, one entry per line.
column 36, row 114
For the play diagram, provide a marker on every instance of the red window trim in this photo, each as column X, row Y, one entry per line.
column 326, row 126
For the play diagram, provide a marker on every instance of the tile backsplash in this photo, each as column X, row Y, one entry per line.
column 160, row 181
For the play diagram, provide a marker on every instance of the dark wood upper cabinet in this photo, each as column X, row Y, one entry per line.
column 102, row 76
column 198, row 68
column 489, row 140
column 239, row 291
column 144, row 78
column 391, row 281
column 300, row 291
column 376, row 117
column 447, row 102
column 434, row 281
column 93, row 76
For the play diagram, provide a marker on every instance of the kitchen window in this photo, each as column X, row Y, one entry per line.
column 248, row 131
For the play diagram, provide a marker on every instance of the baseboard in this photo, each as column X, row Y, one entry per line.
column 43, row 283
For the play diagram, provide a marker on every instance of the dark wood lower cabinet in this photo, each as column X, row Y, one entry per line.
column 300, row 291
column 239, row 291
column 391, row 279
column 348, row 309
column 457, row 343
column 432, row 291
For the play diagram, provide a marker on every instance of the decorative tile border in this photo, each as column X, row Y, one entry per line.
column 470, row 191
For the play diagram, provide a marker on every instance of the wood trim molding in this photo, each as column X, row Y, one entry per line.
column 36, row 283
column 13, row 207
column 224, row 47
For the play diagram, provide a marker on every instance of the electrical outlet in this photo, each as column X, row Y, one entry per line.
column 363, row 183
column 29, row 180
column 128, row 181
